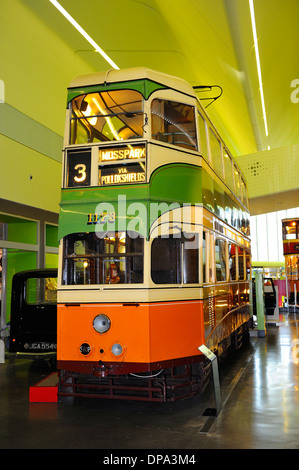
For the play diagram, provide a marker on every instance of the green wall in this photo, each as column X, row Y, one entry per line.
column 17, row 260
column 36, row 68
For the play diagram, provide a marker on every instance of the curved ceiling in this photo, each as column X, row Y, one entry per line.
column 206, row 42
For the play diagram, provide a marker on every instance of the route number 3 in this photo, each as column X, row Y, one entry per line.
column 81, row 176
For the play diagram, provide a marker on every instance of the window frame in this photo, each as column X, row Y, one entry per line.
column 225, row 258
column 95, row 259
column 181, row 275
column 178, row 99
column 202, row 128
column 215, row 141
column 74, row 119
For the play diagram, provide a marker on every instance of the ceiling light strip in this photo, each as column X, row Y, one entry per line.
column 84, row 33
column 258, row 64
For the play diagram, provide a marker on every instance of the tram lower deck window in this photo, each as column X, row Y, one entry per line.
column 175, row 260
column 107, row 258
column 220, row 260
column 232, row 261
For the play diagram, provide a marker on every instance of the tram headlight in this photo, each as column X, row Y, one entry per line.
column 101, row 323
column 117, row 349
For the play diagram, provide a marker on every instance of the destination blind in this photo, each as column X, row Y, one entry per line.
column 122, row 165
column 134, row 173
column 127, row 153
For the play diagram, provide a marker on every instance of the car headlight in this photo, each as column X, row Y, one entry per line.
column 101, row 323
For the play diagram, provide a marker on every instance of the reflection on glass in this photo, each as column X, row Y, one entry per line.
column 220, row 260
column 41, row 290
column 108, row 258
column 106, row 116
column 175, row 260
column 173, row 123
column 290, row 230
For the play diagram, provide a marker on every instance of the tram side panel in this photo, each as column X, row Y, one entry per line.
column 223, row 314
column 176, row 330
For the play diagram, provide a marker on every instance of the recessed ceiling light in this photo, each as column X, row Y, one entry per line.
column 84, row 33
column 258, row 64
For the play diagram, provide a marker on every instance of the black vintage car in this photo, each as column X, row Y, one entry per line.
column 33, row 322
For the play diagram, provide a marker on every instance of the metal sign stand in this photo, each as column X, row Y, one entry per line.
column 260, row 304
column 217, row 390
column 2, row 352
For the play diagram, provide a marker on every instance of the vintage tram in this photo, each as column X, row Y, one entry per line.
column 154, row 257
column 290, row 240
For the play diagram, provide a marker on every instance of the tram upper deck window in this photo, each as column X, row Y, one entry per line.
column 107, row 258
column 216, row 152
column 106, row 116
column 237, row 182
column 244, row 192
column 228, row 170
column 174, row 123
column 202, row 135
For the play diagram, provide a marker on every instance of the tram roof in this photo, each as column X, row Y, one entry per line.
column 130, row 74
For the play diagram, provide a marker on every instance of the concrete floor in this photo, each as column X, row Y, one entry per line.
column 260, row 407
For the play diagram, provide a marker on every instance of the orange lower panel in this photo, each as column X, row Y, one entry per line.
column 176, row 329
column 147, row 333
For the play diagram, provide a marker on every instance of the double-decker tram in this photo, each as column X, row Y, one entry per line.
column 290, row 240
column 154, row 256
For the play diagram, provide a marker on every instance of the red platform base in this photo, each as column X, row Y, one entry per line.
column 45, row 391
